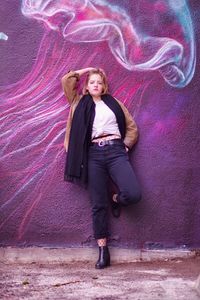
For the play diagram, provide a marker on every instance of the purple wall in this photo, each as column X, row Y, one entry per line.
column 148, row 49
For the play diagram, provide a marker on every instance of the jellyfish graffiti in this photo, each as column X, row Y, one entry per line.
column 133, row 48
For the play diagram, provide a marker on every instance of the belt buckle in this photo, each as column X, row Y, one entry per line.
column 101, row 143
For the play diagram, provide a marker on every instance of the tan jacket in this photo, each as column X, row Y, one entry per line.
column 69, row 84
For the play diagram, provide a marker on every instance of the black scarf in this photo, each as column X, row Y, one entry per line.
column 80, row 136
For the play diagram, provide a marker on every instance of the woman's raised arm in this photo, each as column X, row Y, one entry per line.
column 69, row 83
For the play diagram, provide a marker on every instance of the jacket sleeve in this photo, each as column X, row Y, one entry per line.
column 131, row 135
column 69, row 85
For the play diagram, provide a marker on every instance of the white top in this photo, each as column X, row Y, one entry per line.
column 105, row 121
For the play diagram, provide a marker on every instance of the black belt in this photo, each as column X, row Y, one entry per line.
column 109, row 142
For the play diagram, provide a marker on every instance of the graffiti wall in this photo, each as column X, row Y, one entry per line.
column 149, row 51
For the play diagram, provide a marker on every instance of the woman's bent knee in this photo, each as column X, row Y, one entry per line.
column 136, row 197
column 128, row 198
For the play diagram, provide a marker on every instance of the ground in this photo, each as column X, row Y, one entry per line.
column 171, row 279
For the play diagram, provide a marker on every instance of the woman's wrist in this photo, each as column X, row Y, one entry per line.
column 83, row 71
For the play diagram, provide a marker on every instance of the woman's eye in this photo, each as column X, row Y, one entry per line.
column 93, row 82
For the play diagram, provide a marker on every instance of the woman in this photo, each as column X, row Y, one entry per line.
column 100, row 131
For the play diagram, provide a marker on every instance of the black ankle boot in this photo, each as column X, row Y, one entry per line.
column 104, row 258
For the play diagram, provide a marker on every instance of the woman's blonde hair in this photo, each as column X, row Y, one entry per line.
column 104, row 79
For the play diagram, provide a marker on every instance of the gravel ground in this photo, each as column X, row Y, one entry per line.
column 176, row 279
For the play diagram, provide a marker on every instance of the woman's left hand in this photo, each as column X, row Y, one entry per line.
column 127, row 149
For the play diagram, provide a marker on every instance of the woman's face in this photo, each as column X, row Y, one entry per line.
column 95, row 85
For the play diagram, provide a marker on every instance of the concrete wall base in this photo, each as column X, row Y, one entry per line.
column 68, row 255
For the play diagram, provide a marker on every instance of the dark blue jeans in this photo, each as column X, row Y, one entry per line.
column 109, row 161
